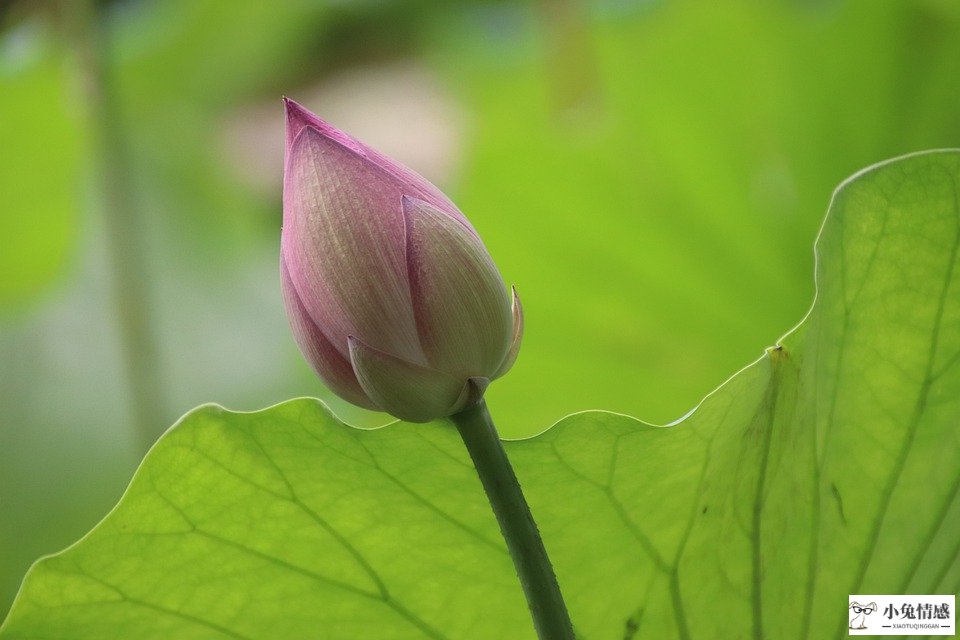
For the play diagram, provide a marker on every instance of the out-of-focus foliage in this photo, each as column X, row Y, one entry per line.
column 66, row 437
column 651, row 179
column 828, row 467
column 39, row 165
column 650, row 174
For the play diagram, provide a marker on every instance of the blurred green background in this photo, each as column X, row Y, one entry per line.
column 650, row 173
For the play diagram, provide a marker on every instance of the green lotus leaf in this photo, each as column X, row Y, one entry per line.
column 828, row 467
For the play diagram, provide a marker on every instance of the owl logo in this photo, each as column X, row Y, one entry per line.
column 859, row 613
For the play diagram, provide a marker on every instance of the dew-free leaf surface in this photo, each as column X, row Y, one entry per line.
column 830, row 466
column 650, row 175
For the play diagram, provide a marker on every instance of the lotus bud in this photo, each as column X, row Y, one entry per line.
column 390, row 293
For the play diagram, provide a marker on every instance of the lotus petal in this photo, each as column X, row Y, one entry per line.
column 343, row 242
column 460, row 301
column 407, row 180
column 406, row 390
column 514, row 349
column 333, row 368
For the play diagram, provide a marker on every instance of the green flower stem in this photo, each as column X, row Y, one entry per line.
column 539, row 583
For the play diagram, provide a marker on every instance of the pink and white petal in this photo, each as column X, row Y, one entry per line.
column 460, row 301
column 299, row 117
column 407, row 180
column 333, row 368
column 406, row 390
column 344, row 245
column 514, row 349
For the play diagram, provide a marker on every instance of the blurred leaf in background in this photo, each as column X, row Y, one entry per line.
column 67, row 438
column 650, row 174
column 40, row 164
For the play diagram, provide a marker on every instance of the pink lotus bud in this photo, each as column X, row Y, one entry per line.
column 390, row 293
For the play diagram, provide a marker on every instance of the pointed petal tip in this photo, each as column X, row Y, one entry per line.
column 409, row 205
column 294, row 110
column 354, row 344
column 511, row 356
column 308, row 131
column 330, row 364
column 516, row 308
column 297, row 119
column 471, row 394
column 413, row 201
column 300, row 119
